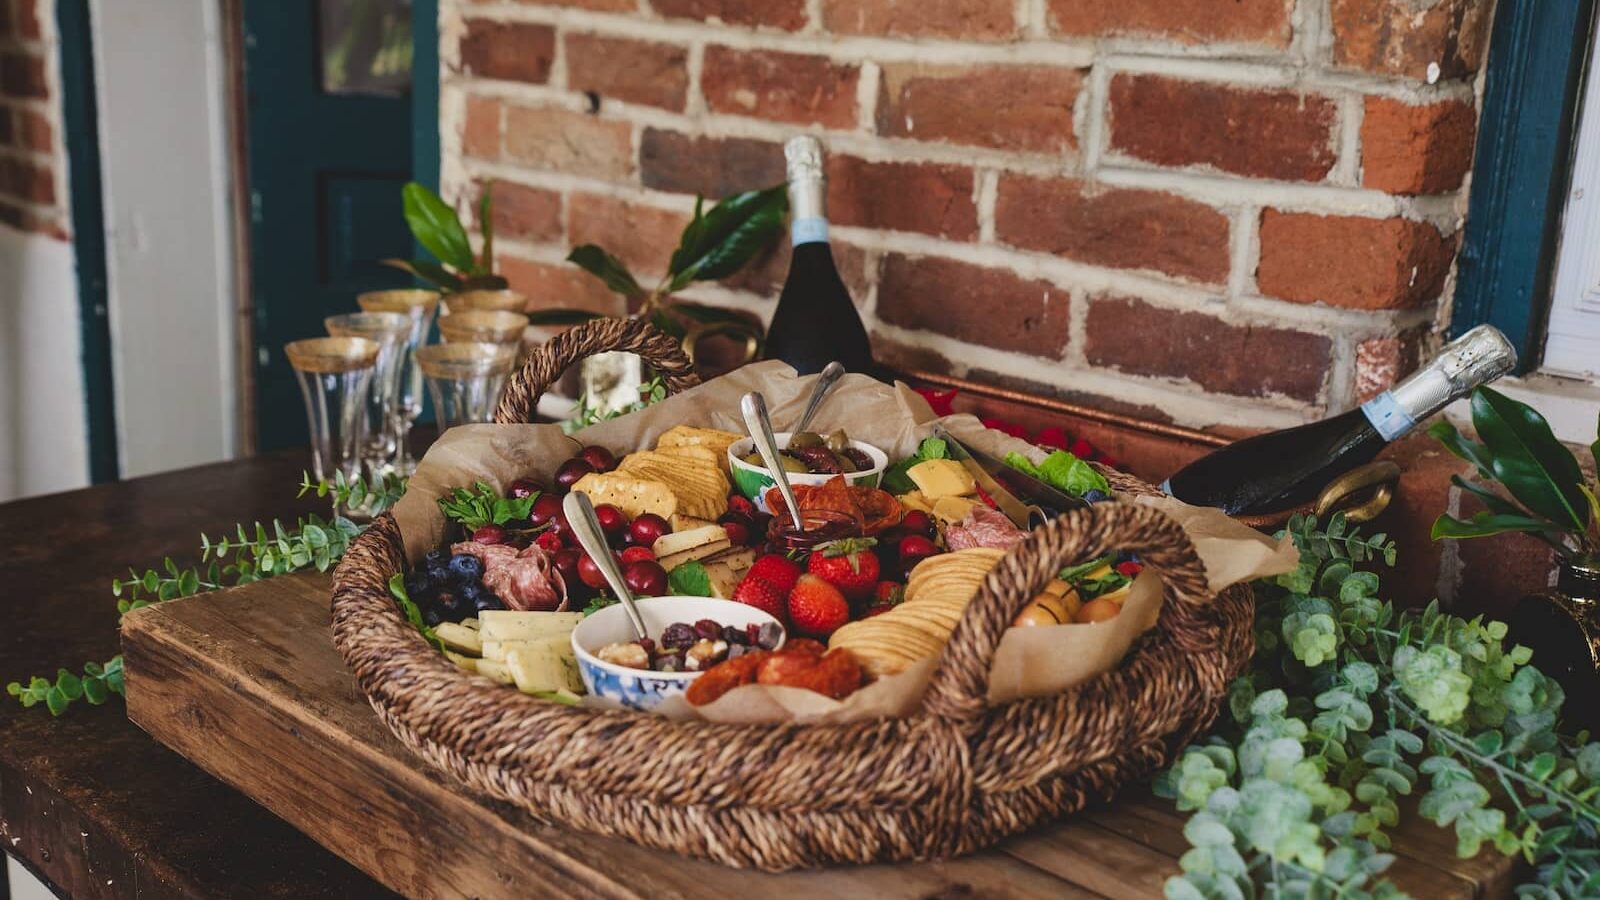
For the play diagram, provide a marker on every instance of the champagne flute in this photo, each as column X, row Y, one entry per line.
column 335, row 374
column 390, row 331
column 465, row 380
column 419, row 306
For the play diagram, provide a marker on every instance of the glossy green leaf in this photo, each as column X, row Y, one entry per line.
column 1485, row 524
column 486, row 225
column 1536, row 468
column 607, row 268
column 721, row 241
column 561, row 316
column 1462, row 446
column 428, row 271
column 436, row 227
column 1496, row 503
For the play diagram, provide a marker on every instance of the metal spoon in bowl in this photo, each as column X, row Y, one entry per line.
column 586, row 527
column 830, row 375
column 754, row 407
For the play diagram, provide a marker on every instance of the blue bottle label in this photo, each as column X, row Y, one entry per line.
column 809, row 230
column 1387, row 416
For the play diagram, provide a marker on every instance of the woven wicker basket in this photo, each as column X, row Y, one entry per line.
column 957, row 776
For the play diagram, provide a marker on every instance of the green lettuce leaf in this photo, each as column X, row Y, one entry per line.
column 1062, row 471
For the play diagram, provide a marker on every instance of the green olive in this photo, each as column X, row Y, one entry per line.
column 790, row 464
column 838, row 441
column 845, row 465
column 803, row 439
column 754, row 459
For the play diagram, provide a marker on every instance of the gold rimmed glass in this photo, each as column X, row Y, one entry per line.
column 465, row 380
column 335, row 374
column 419, row 306
column 502, row 301
column 483, row 326
column 390, row 330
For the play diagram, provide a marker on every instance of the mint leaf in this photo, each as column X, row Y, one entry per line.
column 933, row 448
column 689, row 579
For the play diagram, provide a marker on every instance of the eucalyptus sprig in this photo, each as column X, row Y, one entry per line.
column 1350, row 706
column 371, row 495
column 249, row 554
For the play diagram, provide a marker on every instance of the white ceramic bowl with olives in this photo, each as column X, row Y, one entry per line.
column 808, row 458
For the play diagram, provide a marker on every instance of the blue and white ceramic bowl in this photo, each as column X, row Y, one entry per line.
column 643, row 689
column 753, row 481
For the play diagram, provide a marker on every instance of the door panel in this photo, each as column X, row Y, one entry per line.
column 329, row 128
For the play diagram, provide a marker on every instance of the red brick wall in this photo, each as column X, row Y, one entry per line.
column 32, row 171
column 1229, row 211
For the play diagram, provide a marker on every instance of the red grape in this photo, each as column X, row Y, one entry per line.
column 915, row 548
column 739, row 528
column 566, row 561
column 634, row 554
column 523, row 487
column 569, row 473
column 589, row 572
column 599, row 457
column 490, row 534
column 645, row 577
column 613, row 521
column 547, row 507
column 644, row 530
column 917, row 522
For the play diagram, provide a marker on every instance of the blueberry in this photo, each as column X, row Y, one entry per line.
column 418, row 587
column 431, row 614
column 452, row 608
column 437, row 575
column 488, row 600
column 1095, row 495
column 435, row 557
column 466, row 567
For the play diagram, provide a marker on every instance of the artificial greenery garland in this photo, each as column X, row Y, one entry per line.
column 1349, row 706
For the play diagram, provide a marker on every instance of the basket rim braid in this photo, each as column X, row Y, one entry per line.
column 956, row 776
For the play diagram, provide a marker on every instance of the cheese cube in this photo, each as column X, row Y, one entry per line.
column 941, row 478
column 497, row 671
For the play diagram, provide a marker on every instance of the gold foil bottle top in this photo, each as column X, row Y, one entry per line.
column 804, row 155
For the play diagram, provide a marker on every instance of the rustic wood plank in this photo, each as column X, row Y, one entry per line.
column 247, row 684
column 1103, row 861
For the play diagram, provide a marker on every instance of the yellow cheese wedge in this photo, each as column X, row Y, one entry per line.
column 915, row 500
column 951, row 510
column 941, row 478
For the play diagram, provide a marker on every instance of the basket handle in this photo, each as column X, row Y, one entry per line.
column 959, row 689
column 546, row 363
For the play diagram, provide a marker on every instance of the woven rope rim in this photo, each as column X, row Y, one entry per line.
column 956, row 776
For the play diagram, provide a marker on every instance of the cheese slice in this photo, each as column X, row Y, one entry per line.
column 501, row 650
column 679, row 541
column 941, row 478
column 497, row 671
column 951, row 510
column 915, row 500
column 465, row 662
column 520, row 625
column 536, row 671
column 459, row 638
column 702, row 551
column 723, row 579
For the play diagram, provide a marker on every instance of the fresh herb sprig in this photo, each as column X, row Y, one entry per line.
column 258, row 551
column 1350, row 705
column 483, row 505
column 371, row 496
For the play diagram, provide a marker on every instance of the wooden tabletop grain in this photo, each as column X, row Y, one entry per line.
column 97, row 808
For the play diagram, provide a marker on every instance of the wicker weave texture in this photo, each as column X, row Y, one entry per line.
column 957, row 776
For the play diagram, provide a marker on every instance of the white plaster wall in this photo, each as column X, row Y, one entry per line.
column 43, row 431
column 161, row 88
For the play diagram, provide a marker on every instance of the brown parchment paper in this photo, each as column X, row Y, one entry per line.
column 1029, row 661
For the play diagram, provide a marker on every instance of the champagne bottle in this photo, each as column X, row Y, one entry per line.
column 815, row 322
column 1281, row 469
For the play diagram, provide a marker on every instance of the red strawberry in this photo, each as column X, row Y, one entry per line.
column 777, row 570
column 549, row 541
column 848, row 565
column 761, row 594
column 886, row 596
column 1129, row 568
column 816, row 607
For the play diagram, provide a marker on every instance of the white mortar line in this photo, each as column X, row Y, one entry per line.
column 1347, row 171
column 695, row 102
column 1096, row 107
column 867, row 97
column 1244, row 250
column 985, row 194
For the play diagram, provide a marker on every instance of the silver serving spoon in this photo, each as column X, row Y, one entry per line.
column 830, row 375
column 586, row 528
column 754, row 407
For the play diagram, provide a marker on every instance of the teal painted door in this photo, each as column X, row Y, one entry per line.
column 329, row 124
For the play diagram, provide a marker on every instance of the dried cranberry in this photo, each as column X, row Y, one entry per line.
column 678, row 636
column 752, row 633
column 648, row 645
column 708, row 629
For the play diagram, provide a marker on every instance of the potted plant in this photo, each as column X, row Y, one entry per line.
column 1545, row 494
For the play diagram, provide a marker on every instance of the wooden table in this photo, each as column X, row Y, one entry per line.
column 98, row 809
